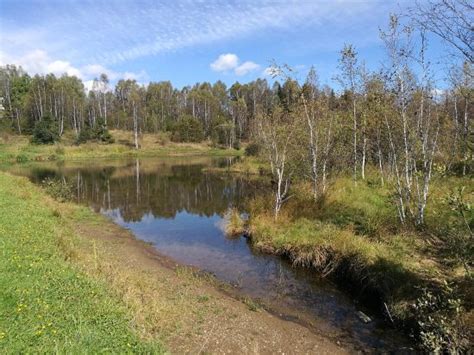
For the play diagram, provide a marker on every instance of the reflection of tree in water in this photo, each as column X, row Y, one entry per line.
column 164, row 191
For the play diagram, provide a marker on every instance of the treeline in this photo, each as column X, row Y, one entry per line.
column 205, row 110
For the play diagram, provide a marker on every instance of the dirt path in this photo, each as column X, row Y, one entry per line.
column 190, row 311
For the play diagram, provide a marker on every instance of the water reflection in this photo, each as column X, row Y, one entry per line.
column 175, row 206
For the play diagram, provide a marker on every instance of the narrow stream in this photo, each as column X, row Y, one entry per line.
column 174, row 205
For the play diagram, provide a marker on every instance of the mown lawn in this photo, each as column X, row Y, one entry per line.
column 46, row 304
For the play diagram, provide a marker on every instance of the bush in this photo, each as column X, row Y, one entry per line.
column 45, row 131
column 59, row 189
column 252, row 150
column 223, row 133
column 21, row 158
column 439, row 321
column 187, row 129
column 98, row 133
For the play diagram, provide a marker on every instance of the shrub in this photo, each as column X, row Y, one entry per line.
column 223, row 133
column 187, row 129
column 98, row 133
column 439, row 321
column 45, row 131
column 59, row 189
column 21, row 158
column 252, row 150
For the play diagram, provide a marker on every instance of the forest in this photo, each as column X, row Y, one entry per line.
column 384, row 153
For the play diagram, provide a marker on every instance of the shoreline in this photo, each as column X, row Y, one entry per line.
column 148, row 284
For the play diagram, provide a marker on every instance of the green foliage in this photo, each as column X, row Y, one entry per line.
column 59, row 189
column 45, row 131
column 98, row 133
column 223, row 133
column 252, row 150
column 187, row 129
column 439, row 319
column 460, row 237
column 21, row 158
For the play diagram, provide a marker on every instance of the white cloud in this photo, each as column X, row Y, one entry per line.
column 59, row 67
column 39, row 62
column 229, row 61
column 246, row 68
column 225, row 62
column 88, row 84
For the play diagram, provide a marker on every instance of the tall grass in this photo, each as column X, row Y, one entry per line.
column 352, row 233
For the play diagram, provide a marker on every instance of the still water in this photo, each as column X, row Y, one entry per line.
column 180, row 209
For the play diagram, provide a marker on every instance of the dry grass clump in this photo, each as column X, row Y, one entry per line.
column 234, row 223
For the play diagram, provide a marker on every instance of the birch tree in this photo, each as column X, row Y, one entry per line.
column 277, row 131
column 318, row 119
column 416, row 126
column 349, row 79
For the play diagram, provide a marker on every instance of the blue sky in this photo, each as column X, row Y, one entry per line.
column 190, row 41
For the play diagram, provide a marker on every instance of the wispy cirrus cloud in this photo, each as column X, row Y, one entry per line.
column 110, row 32
column 122, row 34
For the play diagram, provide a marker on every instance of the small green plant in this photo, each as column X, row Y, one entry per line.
column 439, row 320
column 59, row 189
column 460, row 234
column 252, row 305
column 21, row 158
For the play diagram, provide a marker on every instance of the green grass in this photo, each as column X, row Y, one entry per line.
column 352, row 233
column 18, row 149
column 46, row 304
column 249, row 166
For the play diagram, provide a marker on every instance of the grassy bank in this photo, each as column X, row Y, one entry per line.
column 351, row 234
column 19, row 149
column 249, row 166
column 46, row 304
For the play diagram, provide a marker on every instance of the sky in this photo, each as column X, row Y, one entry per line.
column 186, row 41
